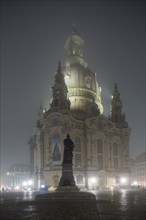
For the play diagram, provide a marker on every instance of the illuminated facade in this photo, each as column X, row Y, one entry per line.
column 138, row 171
column 17, row 175
column 141, row 169
column 101, row 151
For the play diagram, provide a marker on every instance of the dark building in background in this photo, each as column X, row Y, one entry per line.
column 101, row 152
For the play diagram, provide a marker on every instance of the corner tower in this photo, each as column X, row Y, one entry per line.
column 84, row 92
column 116, row 108
column 59, row 89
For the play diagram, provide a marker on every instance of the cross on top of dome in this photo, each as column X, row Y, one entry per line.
column 75, row 31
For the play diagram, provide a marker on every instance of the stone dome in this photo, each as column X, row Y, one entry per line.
column 81, row 82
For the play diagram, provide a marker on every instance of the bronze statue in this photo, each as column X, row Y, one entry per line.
column 68, row 150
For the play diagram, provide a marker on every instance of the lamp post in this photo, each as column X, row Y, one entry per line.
column 123, row 181
column 93, row 181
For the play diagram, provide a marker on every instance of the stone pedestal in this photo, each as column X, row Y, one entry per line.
column 67, row 182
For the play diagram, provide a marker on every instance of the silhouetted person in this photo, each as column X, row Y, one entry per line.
column 68, row 150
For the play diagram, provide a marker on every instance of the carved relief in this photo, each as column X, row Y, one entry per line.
column 46, row 130
column 55, row 122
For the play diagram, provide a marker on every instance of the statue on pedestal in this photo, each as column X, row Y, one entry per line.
column 67, row 180
column 68, row 150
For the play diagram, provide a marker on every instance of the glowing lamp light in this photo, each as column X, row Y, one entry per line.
column 30, row 182
column 24, row 183
column 17, row 187
column 67, row 77
column 123, row 180
column 135, row 183
column 93, row 180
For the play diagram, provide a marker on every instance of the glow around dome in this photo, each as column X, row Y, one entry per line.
column 83, row 89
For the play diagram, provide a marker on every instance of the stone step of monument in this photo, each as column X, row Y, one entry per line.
column 67, row 195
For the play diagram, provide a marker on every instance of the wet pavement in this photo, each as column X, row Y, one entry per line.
column 111, row 205
column 124, row 205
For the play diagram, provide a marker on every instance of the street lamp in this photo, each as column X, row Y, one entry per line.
column 123, row 181
column 93, row 181
column 30, row 182
column 27, row 184
column 24, row 183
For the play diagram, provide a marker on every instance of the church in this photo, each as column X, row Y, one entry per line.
column 101, row 144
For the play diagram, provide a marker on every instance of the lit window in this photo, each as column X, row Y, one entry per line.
column 116, row 165
column 99, row 154
column 77, row 144
column 67, row 79
column 115, row 156
column 100, row 161
column 79, row 179
column 78, row 160
column 115, row 149
column 56, row 149
column 88, row 82
column 99, row 146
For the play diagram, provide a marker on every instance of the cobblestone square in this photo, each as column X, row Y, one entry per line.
column 116, row 205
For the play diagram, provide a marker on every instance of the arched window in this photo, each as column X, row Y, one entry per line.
column 67, row 79
column 115, row 156
column 78, row 160
column 88, row 82
column 79, row 179
column 77, row 152
column 77, row 144
column 99, row 146
column 115, row 149
column 99, row 154
column 56, row 148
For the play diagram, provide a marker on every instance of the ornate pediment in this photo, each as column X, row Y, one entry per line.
column 100, row 123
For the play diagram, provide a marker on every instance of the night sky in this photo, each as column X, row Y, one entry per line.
column 33, row 35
